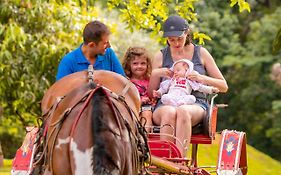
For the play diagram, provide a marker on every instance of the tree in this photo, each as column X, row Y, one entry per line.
column 150, row 14
column 34, row 36
column 254, row 101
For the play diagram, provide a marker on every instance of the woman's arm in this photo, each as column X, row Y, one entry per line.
column 215, row 77
column 157, row 73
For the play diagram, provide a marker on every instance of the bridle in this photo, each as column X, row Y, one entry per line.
column 138, row 134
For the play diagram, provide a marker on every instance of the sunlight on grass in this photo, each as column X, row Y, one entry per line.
column 258, row 162
column 6, row 169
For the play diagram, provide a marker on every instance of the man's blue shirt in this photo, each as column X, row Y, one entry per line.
column 75, row 61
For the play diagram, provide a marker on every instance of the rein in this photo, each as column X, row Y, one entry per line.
column 56, row 129
column 140, row 146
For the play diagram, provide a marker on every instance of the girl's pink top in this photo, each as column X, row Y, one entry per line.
column 142, row 86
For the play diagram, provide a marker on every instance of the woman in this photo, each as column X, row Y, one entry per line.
column 182, row 118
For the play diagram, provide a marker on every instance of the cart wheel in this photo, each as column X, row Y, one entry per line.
column 232, row 153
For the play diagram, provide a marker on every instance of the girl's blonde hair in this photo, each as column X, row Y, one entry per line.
column 130, row 54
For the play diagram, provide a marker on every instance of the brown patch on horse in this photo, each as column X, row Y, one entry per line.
column 59, row 126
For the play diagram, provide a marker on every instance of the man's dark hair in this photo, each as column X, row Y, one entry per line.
column 93, row 32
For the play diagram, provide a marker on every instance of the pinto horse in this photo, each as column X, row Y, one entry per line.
column 92, row 128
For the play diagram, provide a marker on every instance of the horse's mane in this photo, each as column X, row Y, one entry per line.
column 102, row 158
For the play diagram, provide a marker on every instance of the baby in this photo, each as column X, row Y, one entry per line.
column 177, row 90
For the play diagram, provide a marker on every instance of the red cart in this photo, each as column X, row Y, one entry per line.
column 232, row 160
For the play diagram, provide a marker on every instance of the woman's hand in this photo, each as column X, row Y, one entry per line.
column 155, row 78
column 215, row 90
column 163, row 72
column 195, row 76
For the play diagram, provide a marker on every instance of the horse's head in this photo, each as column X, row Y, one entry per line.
column 112, row 81
column 110, row 110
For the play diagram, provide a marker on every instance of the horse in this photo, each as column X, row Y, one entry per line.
column 92, row 127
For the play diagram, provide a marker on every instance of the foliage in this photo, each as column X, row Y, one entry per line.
column 221, row 26
column 276, row 47
column 34, row 36
column 253, row 95
column 14, row 142
column 149, row 15
column 30, row 50
column 242, row 46
column 243, row 5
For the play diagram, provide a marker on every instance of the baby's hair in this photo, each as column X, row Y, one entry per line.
column 130, row 54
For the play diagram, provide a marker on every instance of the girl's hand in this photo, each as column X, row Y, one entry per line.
column 156, row 94
column 145, row 100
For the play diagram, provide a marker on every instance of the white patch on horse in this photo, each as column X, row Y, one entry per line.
column 82, row 160
column 62, row 141
column 115, row 172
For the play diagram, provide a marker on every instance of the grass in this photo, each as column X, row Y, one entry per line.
column 6, row 169
column 258, row 162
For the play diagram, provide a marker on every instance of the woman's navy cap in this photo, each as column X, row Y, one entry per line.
column 174, row 26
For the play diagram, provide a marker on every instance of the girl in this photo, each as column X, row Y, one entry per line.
column 137, row 66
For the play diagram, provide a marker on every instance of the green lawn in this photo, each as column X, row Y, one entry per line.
column 258, row 163
column 6, row 169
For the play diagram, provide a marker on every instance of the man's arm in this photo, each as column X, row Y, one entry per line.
column 64, row 69
column 116, row 65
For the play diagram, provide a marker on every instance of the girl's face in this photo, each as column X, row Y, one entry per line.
column 138, row 67
column 180, row 70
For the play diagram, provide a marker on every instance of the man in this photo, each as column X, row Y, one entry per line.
column 95, row 50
